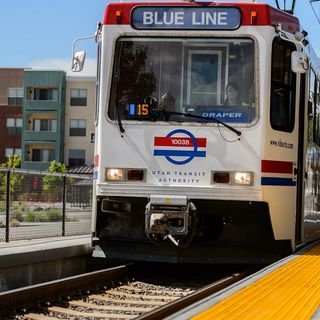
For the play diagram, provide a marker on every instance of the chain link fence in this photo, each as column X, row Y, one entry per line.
column 35, row 204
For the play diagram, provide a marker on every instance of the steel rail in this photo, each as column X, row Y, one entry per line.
column 175, row 306
column 29, row 296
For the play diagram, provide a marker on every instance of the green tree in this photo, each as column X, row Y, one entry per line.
column 56, row 166
column 15, row 178
column 53, row 184
column 12, row 162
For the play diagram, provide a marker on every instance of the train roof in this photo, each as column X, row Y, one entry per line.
column 265, row 15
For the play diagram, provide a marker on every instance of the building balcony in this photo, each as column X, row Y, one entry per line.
column 36, row 165
column 43, row 105
column 49, row 136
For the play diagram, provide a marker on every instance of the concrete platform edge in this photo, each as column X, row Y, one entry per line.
column 14, row 253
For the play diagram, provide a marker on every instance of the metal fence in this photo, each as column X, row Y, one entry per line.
column 37, row 204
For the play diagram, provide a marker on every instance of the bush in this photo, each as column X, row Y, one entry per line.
column 17, row 216
column 30, row 217
column 54, row 215
column 51, row 215
column 18, row 206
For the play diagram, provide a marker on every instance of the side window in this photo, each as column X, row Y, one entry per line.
column 317, row 113
column 96, row 118
column 283, row 84
column 313, row 110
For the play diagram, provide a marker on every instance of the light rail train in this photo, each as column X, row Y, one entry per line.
column 207, row 133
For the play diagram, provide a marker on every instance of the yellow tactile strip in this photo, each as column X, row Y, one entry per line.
column 290, row 292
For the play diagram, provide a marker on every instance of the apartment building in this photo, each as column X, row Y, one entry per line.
column 11, row 101
column 43, row 118
column 79, row 120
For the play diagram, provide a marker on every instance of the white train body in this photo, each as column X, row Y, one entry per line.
column 172, row 184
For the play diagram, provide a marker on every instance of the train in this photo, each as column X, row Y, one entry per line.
column 206, row 133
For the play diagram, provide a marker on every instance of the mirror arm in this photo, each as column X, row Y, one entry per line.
column 80, row 39
column 77, row 62
column 96, row 34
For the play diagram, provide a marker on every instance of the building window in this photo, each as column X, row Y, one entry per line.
column 45, row 155
column 78, row 128
column 45, row 125
column 14, row 126
column 15, row 96
column 18, row 152
column 77, row 157
column 42, row 94
column 10, row 152
column 78, row 97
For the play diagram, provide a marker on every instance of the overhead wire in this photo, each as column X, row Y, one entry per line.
column 293, row 3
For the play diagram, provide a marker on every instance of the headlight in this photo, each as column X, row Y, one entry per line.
column 115, row 174
column 238, row 178
column 125, row 174
column 243, row 178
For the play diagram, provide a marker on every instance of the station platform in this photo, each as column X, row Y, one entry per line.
column 288, row 289
column 28, row 262
column 38, row 250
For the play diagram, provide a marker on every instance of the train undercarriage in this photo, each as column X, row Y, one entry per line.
column 186, row 231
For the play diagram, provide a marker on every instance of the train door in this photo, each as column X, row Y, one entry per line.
column 204, row 76
column 301, row 183
column 286, row 141
column 311, row 206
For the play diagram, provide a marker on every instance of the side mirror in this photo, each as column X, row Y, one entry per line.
column 299, row 62
column 78, row 61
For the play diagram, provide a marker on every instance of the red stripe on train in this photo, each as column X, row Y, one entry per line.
column 272, row 166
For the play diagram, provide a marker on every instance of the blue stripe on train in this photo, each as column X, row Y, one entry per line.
column 266, row 181
column 179, row 153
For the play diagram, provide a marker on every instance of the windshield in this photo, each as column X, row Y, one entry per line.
column 212, row 78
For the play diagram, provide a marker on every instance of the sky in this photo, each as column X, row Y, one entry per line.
column 39, row 33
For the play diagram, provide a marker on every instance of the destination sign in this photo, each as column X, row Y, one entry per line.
column 186, row 18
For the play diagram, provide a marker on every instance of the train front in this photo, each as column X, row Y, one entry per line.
column 179, row 137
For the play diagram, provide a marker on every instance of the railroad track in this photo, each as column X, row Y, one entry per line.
column 107, row 294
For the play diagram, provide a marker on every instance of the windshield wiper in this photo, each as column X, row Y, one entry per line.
column 121, row 128
column 192, row 115
column 116, row 107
